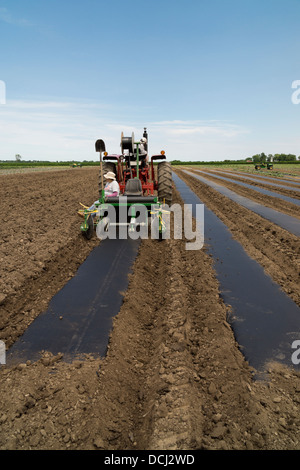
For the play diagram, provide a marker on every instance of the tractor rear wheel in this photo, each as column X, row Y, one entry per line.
column 106, row 167
column 165, row 183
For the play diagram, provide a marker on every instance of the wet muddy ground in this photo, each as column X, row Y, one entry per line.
column 174, row 376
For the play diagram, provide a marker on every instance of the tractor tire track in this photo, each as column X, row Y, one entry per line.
column 178, row 352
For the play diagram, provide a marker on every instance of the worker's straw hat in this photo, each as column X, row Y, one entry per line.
column 110, row 176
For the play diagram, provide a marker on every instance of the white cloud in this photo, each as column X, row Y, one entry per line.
column 7, row 17
column 212, row 127
column 51, row 130
column 200, row 140
column 55, row 130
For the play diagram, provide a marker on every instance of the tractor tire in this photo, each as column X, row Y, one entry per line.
column 164, row 182
column 106, row 167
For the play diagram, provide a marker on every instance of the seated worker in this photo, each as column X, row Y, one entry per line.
column 112, row 187
column 143, row 152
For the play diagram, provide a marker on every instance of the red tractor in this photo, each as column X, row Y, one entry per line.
column 133, row 164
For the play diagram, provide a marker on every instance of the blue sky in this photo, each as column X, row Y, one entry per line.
column 210, row 79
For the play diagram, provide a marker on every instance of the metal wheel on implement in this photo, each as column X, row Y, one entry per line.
column 88, row 233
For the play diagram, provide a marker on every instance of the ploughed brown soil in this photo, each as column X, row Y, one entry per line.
column 274, row 248
column 269, row 201
column 292, row 181
column 173, row 377
column 277, row 173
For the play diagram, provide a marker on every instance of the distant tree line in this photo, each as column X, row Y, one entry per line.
column 277, row 157
column 36, row 163
column 259, row 158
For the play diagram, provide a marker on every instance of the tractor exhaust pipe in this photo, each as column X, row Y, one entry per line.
column 146, row 136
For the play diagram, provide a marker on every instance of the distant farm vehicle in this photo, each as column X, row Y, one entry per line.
column 142, row 189
column 76, row 165
column 261, row 165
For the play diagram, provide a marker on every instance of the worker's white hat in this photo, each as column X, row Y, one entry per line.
column 110, row 176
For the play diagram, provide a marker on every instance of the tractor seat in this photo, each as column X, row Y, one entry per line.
column 133, row 187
